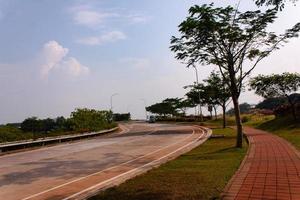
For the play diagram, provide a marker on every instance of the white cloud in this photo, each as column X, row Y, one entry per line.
column 52, row 54
column 73, row 67
column 137, row 18
column 136, row 63
column 54, row 58
column 85, row 15
column 108, row 37
column 88, row 15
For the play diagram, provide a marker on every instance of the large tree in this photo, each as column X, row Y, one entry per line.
column 228, row 39
column 278, row 4
column 277, row 85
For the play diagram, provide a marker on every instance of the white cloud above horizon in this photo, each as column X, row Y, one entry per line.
column 108, row 37
column 136, row 63
column 89, row 16
column 54, row 58
column 86, row 16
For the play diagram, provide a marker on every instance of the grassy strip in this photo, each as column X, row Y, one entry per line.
column 199, row 174
column 284, row 127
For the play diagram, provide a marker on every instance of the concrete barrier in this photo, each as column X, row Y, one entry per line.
column 10, row 146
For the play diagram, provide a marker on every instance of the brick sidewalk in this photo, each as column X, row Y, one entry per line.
column 271, row 170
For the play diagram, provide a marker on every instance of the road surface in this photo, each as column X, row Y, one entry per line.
column 76, row 170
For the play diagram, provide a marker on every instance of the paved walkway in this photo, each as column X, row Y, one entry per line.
column 271, row 170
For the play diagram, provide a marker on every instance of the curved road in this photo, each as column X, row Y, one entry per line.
column 76, row 170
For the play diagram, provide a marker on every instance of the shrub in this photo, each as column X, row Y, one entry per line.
column 90, row 120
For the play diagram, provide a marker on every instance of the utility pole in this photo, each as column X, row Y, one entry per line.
column 111, row 101
column 199, row 95
column 145, row 105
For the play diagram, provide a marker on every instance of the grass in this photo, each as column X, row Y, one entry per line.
column 199, row 174
column 284, row 127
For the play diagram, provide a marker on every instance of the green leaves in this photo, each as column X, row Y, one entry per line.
column 90, row 120
column 275, row 85
column 278, row 4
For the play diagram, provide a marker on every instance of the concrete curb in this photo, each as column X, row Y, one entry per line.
column 147, row 167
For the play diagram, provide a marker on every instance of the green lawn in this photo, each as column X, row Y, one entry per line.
column 285, row 127
column 199, row 174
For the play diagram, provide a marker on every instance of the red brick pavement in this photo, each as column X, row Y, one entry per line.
column 271, row 170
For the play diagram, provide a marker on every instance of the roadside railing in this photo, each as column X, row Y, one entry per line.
column 10, row 146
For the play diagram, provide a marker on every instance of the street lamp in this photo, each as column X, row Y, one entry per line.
column 111, row 101
column 144, row 100
column 199, row 95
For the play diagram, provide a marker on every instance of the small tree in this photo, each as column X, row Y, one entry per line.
column 277, row 85
column 227, row 38
column 219, row 92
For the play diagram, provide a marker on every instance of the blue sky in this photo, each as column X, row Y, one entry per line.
column 58, row 55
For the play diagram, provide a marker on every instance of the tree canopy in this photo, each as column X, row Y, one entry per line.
column 170, row 106
column 228, row 39
column 278, row 4
column 277, row 85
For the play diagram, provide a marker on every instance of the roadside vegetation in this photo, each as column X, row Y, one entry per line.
column 81, row 120
column 199, row 174
column 284, row 127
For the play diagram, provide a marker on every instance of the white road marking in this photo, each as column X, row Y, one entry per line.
column 59, row 186
column 130, row 171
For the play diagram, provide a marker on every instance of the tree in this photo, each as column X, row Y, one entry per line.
column 31, row 124
column 90, row 119
column 227, row 38
column 271, row 103
column 219, row 92
column 279, row 4
column 277, row 85
column 160, row 109
column 244, row 108
column 168, row 106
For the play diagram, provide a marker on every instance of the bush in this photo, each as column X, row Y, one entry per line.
column 245, row 119
column 286, row 110
column 10, row 133
column 84, row 120
column 35, row 125
column 121, row 117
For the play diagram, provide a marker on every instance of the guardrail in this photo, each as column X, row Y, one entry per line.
column 10, row 146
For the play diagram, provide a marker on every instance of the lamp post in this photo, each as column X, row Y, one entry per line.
column 144, row 100
column 111, row 101
column 199, row 95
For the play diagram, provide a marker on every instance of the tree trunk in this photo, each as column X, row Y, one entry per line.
column 239, row 137
column 224, row 114
column 216, row 116
column 293, row 108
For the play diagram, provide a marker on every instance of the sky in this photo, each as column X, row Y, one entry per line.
column 56, row 55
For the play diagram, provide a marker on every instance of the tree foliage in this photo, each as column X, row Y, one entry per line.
column 170, row 106
column 277, row 85
column 271, row 103
column 278, row 4
column 228, row 39
column 90, row 120
column 244, row 108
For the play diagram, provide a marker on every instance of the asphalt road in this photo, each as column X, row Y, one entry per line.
column 75, row 170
